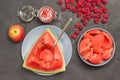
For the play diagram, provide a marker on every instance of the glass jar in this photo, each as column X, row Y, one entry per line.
column 46, row 14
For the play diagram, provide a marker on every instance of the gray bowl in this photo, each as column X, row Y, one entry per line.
column 104, row 62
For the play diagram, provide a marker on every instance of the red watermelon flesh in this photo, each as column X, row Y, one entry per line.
column 97, row 42
column 84, row 45
column 87, row 35
column 107, row 41
column 94, row 32
column 107, row 53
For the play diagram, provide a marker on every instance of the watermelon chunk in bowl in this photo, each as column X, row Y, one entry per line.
column 96, row 47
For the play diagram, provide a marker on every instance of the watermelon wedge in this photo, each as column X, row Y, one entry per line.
column 44, row 59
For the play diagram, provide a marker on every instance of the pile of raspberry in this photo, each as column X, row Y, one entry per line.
column 85, row 10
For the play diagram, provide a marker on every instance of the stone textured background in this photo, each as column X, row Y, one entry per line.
column 10, row 53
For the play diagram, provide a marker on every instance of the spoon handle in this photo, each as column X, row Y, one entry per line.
column 67, row 24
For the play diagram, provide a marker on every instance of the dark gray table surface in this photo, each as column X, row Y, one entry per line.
column 10, row 53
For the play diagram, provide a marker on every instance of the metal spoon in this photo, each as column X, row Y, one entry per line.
column 67, row 24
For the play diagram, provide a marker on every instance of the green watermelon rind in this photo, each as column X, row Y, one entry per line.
column 62, row 69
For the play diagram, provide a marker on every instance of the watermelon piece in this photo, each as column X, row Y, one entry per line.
column 108, row 42
column 94, row 32
column 95, row 59
column 87, row 35
column 88, row 54
column 44, row 59
column 107, row 53
column 98, row 42
column 84, row 45
column 99, row 51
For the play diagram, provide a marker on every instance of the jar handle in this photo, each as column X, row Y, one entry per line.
column 36, row 12
column 58, row 16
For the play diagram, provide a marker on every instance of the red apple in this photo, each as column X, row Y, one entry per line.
column 16, row 33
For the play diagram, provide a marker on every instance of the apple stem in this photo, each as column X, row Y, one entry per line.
column 15, row 31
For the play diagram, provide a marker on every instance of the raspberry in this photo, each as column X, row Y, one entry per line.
column 80, row 2
column 67, row 5
column 77, row 25
column 93, row 4
column 74, row 36
column 100, row 11
column 81, row 5
column 85, row 2
column 91, row 9
column 89, row 1
column 88, row 18
column 72, row 2
column 98, row 2
column 80, row 9
column 70, row 8
column 74, row 10
column 85, row 23
column 96, row 10
column 79, row 15
column 87, row 8
column 64, row 8
column 104, row 1
column 85, row 16
column 88, row 5
column 96, row 20
column 106, row 16
column 80, row 27
column 85, row 11
column 99, row 16
column 93, row 0
column 67, row 1
column 77, row 6
column 104, row 20
column 82, row 19
column 105, row 10
column 60, row 2
column 93, row 15
column 88, row 13
column 102, row 6
column 76, row 31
